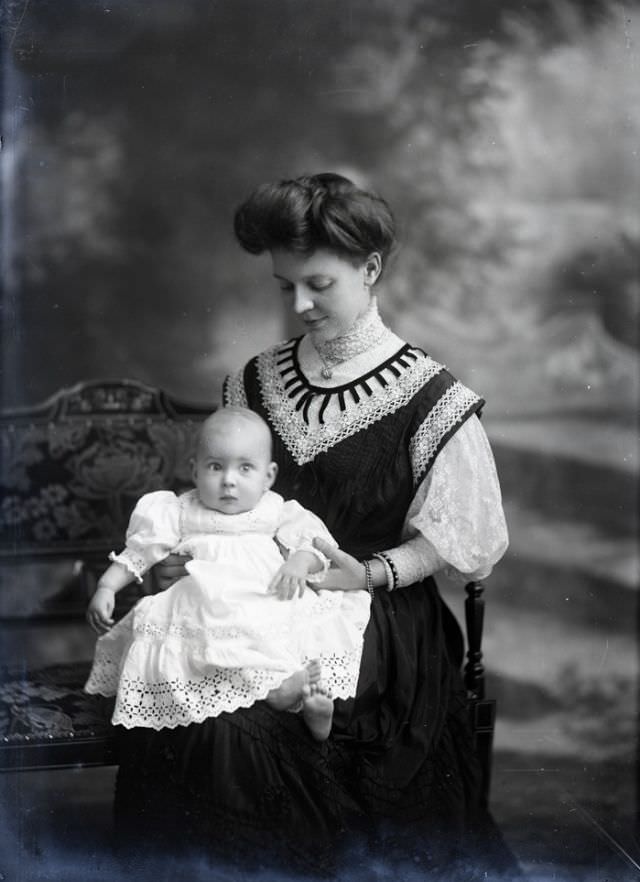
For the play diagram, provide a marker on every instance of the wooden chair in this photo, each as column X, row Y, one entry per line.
column 482, row 710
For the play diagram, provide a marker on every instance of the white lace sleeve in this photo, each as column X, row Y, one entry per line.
column 455, row 522
column 153, row 531
column 297, row 530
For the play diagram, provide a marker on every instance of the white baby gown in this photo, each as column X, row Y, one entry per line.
column 217, row 640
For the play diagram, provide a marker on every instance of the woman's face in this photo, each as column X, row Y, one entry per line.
column 326, row 291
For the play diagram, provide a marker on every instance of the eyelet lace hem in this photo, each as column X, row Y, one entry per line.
column 185, row 700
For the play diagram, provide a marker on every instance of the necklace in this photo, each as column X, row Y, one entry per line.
column 366, row 332
column 327, row 369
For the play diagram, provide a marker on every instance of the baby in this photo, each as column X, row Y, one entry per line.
column 242, row 625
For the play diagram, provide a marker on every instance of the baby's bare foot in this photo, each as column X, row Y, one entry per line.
column 291, row 691
column 317, row 710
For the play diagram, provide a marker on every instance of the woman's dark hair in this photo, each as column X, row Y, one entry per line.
column 316, row 211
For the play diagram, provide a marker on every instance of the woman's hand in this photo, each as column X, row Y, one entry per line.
column 169, row 571
column 345, row 574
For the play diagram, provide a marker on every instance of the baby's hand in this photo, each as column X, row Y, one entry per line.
column 290, row 579
column 100, row 610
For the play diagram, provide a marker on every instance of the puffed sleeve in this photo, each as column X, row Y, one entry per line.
column 455, row 522
column 153, row 531
column 296, row 531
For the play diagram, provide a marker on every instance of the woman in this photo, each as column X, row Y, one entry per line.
column 384, row 445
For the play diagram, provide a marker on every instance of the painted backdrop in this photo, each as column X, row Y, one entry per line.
column 506, row 137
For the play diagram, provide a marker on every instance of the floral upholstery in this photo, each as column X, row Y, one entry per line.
column 71, row 470
column 48, row 721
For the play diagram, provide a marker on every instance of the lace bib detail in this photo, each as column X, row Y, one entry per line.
column 196, row 518
column 312, row 419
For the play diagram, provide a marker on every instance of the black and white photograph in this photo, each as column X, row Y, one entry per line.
column 319, row 440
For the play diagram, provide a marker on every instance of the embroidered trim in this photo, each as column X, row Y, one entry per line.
column 196, row 518
column 291, row 401
column 443, row 416
column 233, row 390
column 132, row 562
column 185, row 700
column 162, row 632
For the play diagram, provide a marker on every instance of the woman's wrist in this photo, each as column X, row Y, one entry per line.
column 390, row 572
column 374, row 575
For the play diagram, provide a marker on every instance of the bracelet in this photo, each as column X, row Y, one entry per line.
column 388, row 561
column 105, row 588
column 368, row 578
column 387, row 570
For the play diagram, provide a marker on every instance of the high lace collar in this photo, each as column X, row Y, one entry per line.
column 368, row 331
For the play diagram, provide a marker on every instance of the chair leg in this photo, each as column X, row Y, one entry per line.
column 483, row 718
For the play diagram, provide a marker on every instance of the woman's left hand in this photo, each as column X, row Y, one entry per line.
column 345, row 574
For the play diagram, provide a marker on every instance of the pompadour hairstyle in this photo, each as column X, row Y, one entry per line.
column 316, row 211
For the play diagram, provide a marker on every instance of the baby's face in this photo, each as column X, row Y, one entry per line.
column 233, row 469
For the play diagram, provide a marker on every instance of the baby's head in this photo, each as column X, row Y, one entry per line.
column 232, row 468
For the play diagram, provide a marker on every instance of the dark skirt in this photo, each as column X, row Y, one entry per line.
column 397, row 781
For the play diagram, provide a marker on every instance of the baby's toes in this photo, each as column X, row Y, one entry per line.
column 314, row 670
column 319, row 688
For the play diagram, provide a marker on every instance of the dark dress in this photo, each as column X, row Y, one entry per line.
column 398, row 779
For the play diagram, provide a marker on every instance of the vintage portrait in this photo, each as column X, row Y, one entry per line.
column 319, row 424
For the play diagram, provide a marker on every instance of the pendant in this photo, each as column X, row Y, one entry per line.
column 326, row 372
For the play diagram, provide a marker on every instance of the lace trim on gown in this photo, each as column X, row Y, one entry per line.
column 233, row 389
column 449, row 410
column 312, row 419
column 135, row 564
column 182, row 701
column 190, row 695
